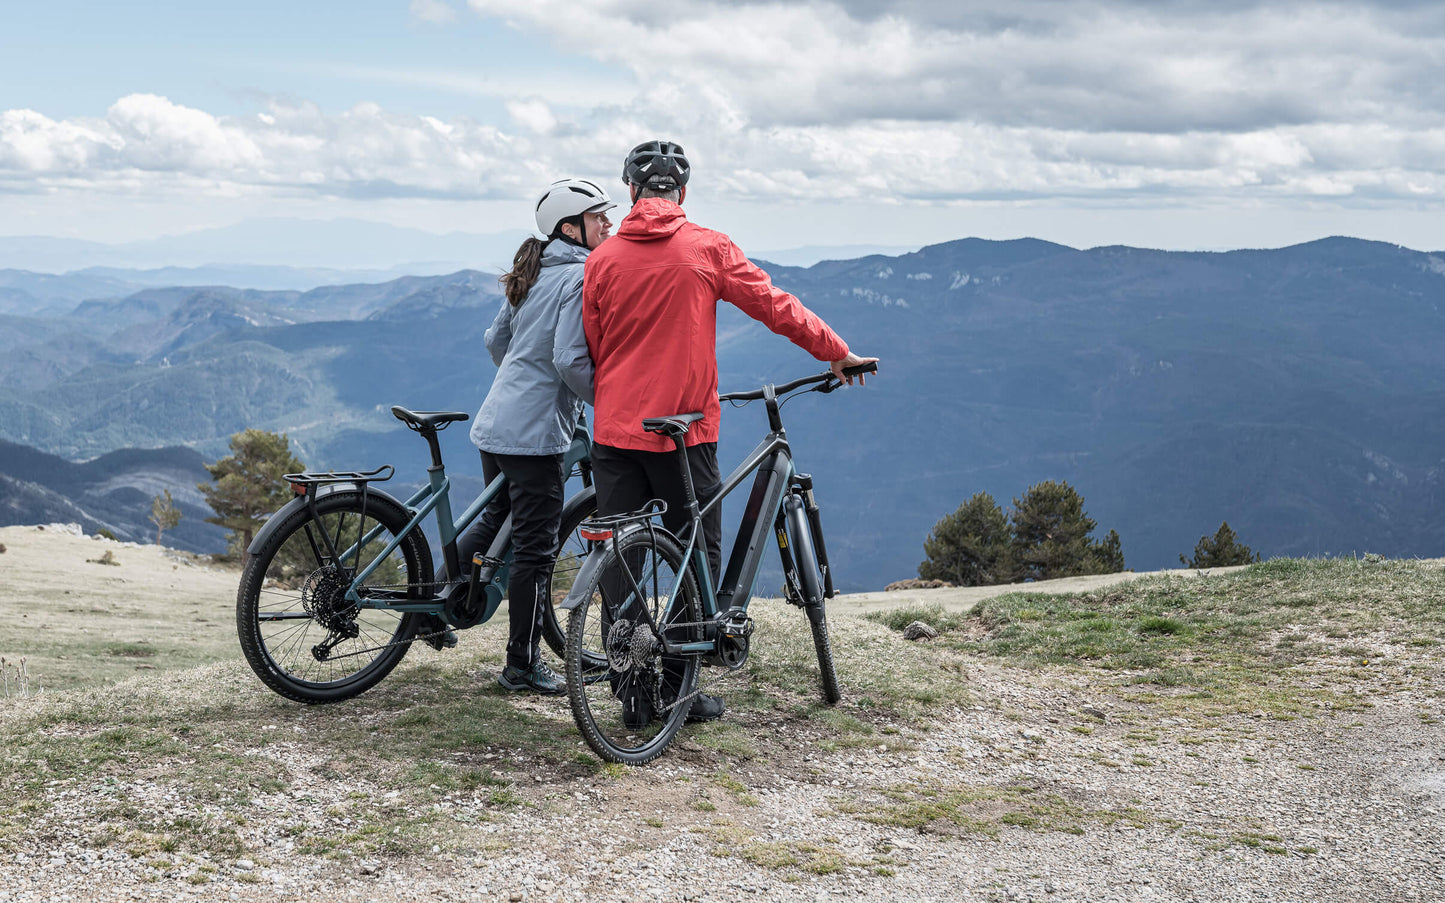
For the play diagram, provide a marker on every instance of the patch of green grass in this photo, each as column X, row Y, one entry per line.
column 1213, row 643
column 935, row 616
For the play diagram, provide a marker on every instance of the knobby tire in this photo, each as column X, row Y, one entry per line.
column 602, row 690
column 291, row 586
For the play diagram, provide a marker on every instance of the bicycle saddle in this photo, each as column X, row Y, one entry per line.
column 433, row 420
column 675, row 425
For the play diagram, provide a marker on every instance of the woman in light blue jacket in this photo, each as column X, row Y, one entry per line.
column 544, row 374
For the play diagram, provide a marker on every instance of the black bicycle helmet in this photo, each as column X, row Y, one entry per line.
column 659, row 165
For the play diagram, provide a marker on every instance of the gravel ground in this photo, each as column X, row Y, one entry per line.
column 1128, row 804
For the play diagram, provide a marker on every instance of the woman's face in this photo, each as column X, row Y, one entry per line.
column 599, row 228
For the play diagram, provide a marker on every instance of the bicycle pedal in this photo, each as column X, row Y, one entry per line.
column 483, row 561
column 736, row 623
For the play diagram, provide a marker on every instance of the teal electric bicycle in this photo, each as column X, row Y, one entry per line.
column 644, row 615
column 341, row 580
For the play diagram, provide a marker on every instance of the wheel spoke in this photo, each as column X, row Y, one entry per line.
column 294, row 597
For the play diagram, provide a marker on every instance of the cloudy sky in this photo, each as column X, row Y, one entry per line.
column 1171, row 123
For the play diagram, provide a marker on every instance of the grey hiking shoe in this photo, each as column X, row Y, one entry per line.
column 705, row 708
column 539, row 678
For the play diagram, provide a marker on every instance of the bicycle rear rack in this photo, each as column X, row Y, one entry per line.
column 598, row 529
column 304, row 483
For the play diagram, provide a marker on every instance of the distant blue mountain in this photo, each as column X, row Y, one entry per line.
column 1293, row 392
column 112, row 492
column 342, row 244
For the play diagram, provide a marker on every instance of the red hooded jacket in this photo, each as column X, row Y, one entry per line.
column 649, row 308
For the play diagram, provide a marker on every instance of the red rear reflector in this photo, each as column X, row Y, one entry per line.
column 594, row 535
column 298, row 488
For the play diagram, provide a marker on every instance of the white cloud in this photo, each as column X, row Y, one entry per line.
column 147, row 143
column 862, row 100
column 533, row 115
column 437, row 12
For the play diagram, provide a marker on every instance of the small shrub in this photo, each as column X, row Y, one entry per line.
column 107, row 557
column 103, row 533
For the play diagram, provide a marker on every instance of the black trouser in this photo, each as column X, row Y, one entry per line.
column 627, row 479
column 533, row 496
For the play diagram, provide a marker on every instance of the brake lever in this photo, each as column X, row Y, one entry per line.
column 828, row 386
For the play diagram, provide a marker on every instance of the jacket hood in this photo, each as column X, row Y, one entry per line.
column 652, row 218
column 559, row 252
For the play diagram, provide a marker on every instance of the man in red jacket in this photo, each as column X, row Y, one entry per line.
column 649, row 309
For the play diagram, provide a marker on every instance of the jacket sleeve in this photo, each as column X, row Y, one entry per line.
column 569, row 346
column 751, row 290
column 499, row 336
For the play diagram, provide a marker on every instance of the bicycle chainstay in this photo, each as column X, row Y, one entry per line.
column 728, row 671
column 386, row 646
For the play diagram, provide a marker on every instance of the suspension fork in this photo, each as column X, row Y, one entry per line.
column 803, row 485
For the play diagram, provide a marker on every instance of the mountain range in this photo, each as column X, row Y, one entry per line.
column 1293, row 392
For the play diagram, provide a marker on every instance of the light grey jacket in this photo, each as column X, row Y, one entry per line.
column 543, row 370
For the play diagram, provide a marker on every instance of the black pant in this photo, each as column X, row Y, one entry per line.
column 627, row 479
column 533, row 496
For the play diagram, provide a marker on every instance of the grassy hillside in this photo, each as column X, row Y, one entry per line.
column 182, row 775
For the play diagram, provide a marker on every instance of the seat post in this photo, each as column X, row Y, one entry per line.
column 692, row 506
column 435, row 445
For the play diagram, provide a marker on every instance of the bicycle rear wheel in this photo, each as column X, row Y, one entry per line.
column 297, row 630
column 627, row 698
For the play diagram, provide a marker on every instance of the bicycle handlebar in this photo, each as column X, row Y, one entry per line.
column 757, row 394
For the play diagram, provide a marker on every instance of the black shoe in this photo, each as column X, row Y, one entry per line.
column 436, row 633
column 636, row 708
column 539, row 678
column 705, row 708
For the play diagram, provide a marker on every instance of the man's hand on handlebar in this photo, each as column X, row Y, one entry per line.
column 848, row 363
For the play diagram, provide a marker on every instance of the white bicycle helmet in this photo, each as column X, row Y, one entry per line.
column 568, row 198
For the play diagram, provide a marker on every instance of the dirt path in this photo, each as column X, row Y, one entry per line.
column 1109, row 807
column 1045, row 785
column 962, row 598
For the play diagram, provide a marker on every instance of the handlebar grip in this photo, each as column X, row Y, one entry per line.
column 870, row 367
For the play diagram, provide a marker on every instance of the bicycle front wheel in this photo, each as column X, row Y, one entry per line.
column 814, row 605
column 298, row 631
column 628, row 699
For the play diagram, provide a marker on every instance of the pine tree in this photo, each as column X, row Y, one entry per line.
column 1051, row 535
column 164, row 514
column 247, row 485
column 1220, row 550
column 1107, row 554
column 970, row 547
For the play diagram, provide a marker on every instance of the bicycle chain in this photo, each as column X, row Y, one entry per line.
column 697, row 691
column 420, row 636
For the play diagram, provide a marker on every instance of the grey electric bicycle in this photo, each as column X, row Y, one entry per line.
column 644, row 616
column 339, row 582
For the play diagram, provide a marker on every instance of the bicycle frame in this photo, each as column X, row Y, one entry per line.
column 435, row 498
column 772, row 460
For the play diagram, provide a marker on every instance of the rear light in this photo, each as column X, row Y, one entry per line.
column 298, row 488
column 593, row 534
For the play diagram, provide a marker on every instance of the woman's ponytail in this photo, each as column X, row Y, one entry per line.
column 526, row 267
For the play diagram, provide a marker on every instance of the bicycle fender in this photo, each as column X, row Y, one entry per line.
column 590, row 566
column 584, row 579
column 279, row 517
